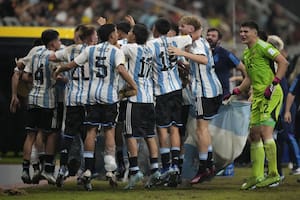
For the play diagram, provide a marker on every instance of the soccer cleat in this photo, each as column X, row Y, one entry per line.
column 269, row 181
column 212, row 171
column 295, row 171
column 26, row 177
column 63, row 173
column 251, row 183
column 49, row 177
column 120, row 172
column 36, row 176
column 201, row 176
column 174, row 176
column 111, row 177
column 164, row 176
column 153, row 179
column 85, row 179
column 133, row 180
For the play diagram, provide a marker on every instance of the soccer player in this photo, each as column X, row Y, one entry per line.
column 206, row 92
column 106, row 63
column 21, row 89
column 266, row 104
column 76, row 95
column 168, row 93
column 123, row 28
column 41, row 102
column 292, row 100
column 139, row 125
column 285, row 129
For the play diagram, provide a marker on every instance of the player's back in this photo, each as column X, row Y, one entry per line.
column 42, row 93
column 78, row 77
column 103, row 60
column 140, row 66
column 166, row 75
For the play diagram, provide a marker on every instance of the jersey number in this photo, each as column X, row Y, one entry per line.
column 83, row 72
column 102, row 69
column 172, row 61
column 145, row 69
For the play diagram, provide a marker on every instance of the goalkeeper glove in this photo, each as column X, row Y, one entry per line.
column 270, row 89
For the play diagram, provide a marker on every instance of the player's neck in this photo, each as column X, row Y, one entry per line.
column 252, row 42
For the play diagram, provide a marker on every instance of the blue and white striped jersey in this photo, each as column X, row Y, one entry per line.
column 166, row 75
column 102, row 59
column 25, row 60
column 140, row 65
column 43, row 90
column 123, row 42
column 77, row 86
column 205, row 82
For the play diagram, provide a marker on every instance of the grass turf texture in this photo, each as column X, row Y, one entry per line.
column 219, row 188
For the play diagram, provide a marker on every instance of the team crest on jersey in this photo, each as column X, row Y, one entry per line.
column 271, row 51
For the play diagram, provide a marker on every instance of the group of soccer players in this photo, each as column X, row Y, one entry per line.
column 144, row 73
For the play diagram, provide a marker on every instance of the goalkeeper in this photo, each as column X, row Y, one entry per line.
column 266, row 104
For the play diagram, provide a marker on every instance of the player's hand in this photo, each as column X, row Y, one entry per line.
column 270, row 89
column 235, row 91
column 175, row 51
column 288, row 117
column 127, row 92
column 183, row 70
column 14, row 104
column 101, row 21
column 56, row 72
column 130, row 20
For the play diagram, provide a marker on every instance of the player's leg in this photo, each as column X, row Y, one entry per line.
column 175, row 154
column 257, row 153
column 88, row 155
column 204, row 141
column 49, row 131
column 135, row 175
column 268, row 121
column 27, row 147
column 121, row 152
column 30, row 138
column 73, row 127
column 163, row 122
column 108, row 121
column 206, row 109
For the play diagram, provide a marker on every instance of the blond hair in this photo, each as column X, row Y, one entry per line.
column 276, row 42
column 191, row 20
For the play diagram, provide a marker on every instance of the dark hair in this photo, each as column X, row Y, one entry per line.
column 217, row 30
column 251, row 25
column 162, row 26
column 104, row 31
column 86, row 31
column 175, row 28
column 48, row 36
column 37, row 42
column 78, row 27
column 141, row 33
column 124, row 26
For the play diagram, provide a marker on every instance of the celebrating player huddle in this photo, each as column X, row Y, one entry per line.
column 92, row 72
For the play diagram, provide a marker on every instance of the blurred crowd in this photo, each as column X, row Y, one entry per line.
column 219, row 14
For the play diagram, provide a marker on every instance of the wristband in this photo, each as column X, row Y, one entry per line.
column 276, row 80
column 236, row 91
